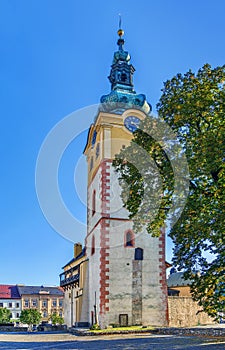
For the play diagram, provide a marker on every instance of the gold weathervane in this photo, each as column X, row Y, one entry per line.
column 120, row 31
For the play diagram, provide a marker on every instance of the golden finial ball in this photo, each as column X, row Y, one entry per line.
column 120, row 32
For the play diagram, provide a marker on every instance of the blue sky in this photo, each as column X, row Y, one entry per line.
column 55, row 57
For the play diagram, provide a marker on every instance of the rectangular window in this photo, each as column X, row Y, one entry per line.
column 34, row 302
column 17, row 305
column 54, row 303
column 1, row 304
column 44, row 303
column 91, row 163
column 60, row 303
column 93, row 202
column 45, row 314
column 10, row 305
column 97, row 151
column 17, row 315
column 26, row 303
column 138, row 254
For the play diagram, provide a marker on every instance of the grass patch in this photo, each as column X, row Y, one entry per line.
column 120, row 329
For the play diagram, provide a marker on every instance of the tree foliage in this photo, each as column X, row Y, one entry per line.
column 30, row 316
column 193, row 105
column 4, row 315
column 56, row 319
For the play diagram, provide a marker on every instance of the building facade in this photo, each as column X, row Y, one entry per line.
column 72, row 281
column 125, row 276
column 47, row 300
column 177, row 283
column 10, row 299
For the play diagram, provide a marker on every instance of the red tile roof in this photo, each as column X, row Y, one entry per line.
column 9, row 292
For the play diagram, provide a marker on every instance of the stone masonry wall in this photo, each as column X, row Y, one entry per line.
column 183, row 313
column 11, row 328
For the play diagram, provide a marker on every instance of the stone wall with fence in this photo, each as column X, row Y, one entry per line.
column 10, row 328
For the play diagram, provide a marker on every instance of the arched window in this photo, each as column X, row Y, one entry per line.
column 93, row 202
column 129, row 239
column 138, row 255
column 123, row 77
column 93, row 245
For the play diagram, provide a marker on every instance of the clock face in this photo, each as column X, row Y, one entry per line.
column 132, row 123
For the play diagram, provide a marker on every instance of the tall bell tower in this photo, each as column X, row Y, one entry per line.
column 126, row 279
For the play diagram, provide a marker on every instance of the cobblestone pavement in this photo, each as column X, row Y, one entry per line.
column 66, row 341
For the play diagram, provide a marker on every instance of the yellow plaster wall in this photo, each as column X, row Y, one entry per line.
column 40, row 297
column 115, row 123
column 120, row 137
column 184, row 291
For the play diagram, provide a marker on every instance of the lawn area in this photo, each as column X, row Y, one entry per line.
column 122, row 329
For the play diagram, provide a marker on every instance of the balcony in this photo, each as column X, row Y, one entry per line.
column 64, row 281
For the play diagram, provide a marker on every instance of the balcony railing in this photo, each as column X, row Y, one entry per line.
column 69, row 280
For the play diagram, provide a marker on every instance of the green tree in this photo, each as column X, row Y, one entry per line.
column 4, row 315
column 30, row 317
column 56, row 319
column 193, row 105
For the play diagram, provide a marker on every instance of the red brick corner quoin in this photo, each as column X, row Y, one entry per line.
column 162, row 266
column 104, row 237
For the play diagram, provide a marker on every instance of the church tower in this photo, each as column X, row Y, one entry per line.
column 126, row 279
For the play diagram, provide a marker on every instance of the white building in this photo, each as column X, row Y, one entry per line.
column 124, row 281
column 10, row 299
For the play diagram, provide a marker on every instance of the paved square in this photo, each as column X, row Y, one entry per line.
column 39, row 341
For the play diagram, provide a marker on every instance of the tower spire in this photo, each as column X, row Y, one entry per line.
column 121, row 75
column 121, row 79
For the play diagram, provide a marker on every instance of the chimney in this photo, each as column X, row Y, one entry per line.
column 77, row 249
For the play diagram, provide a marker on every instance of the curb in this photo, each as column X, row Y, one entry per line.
column 215, row 332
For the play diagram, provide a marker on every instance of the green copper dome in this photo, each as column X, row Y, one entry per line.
column 122, row 95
